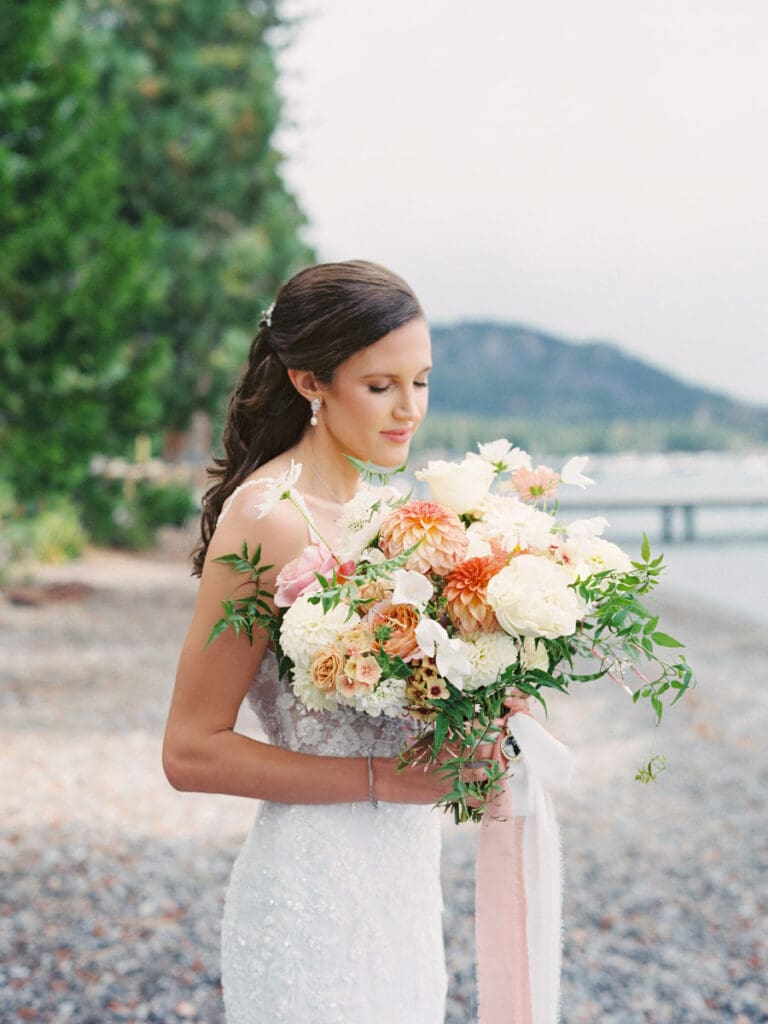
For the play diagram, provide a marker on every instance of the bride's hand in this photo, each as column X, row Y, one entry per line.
column 515, row 704
column 419, row 782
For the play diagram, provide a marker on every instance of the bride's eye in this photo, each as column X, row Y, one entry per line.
column 378, row 389
column 421, row 383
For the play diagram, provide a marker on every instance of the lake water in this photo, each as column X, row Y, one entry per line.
column 727, row 564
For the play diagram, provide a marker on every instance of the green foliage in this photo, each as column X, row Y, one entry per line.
column 76, row 371
column 618, row 635
column 51, row 533
column 649, row 772
column 143, row 216
column 198, row 82
column 254, row 610
column 128, row 516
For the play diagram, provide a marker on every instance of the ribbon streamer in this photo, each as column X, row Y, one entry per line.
column 518, row 882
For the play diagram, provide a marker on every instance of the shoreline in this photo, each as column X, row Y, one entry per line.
column 113, row 876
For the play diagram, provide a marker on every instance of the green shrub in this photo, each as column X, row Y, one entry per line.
column 51, row 533
column 127, row 516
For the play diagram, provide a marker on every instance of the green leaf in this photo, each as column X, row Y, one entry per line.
column 664, row 640
column 645, row 549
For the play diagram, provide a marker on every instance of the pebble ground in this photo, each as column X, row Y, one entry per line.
column 112, row 883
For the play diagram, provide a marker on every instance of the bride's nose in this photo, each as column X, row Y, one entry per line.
column 407, row 405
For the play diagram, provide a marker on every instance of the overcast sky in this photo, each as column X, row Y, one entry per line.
column 595, row 168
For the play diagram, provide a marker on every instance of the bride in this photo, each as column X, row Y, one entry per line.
column 333, row 912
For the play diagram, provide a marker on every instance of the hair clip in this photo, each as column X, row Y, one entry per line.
column 266, row 317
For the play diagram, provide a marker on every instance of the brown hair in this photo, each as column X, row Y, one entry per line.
column 320, row 317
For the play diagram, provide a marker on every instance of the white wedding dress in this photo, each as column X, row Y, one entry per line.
column 334, row 911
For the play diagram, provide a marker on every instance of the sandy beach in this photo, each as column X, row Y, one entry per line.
column 113, row 883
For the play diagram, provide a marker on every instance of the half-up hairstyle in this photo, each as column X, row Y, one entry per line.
column 320, row 317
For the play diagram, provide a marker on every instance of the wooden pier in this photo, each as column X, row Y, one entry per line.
column 682, row 509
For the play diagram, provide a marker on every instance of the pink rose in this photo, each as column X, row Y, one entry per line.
column 298, row 577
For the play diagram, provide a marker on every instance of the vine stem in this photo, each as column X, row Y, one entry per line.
column 305, row 516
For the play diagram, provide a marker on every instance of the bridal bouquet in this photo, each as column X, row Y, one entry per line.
column 444, row 609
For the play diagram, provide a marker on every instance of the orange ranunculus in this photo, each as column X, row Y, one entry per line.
column 401, row 620
column 327, row 665
column 465, row 591
column 437, row 530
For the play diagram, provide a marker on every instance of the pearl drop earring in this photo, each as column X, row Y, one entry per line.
column 315, row 405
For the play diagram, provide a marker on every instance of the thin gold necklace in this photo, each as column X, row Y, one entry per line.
column 339, row 501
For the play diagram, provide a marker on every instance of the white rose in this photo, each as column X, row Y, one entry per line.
column 531, row 597
column 305, row 628
column 460, row 486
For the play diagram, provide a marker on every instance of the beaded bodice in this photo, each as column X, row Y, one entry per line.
column 340, row 733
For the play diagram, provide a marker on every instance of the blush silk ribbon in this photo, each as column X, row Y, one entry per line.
column 518, row 881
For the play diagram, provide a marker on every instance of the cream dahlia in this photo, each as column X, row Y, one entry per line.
column 437, row 530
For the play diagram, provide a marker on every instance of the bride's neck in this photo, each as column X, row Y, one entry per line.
column 327, row 470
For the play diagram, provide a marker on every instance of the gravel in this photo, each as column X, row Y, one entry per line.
column 112, row 883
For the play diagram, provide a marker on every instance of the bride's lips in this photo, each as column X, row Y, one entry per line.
column 398, row 436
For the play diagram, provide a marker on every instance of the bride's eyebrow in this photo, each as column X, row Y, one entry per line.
column 393, row 376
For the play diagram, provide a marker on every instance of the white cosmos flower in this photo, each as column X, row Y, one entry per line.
column 503, row 457
column 460, row 486
column 411, row 588
column 278, row 488
column 571, row 472
column 531, row 597
column 361, row 519
column 449, row 652
column 594, row 527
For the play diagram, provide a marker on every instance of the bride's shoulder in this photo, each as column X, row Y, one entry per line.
column 256, row 512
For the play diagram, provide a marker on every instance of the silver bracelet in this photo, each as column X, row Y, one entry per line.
column 371, row 798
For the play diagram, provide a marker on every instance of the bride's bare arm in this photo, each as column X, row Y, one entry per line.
column 201, row 751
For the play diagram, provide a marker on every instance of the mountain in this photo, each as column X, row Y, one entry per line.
column 486, row 369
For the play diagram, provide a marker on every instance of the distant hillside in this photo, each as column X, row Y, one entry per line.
column 506, row 371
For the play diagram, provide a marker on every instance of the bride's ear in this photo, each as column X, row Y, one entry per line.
column 305, row 383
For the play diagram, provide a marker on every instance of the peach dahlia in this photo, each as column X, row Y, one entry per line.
column 436, row 529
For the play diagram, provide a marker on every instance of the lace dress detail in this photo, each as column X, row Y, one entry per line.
column 334, row 911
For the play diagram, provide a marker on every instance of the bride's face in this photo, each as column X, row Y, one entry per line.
column 378, row 396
